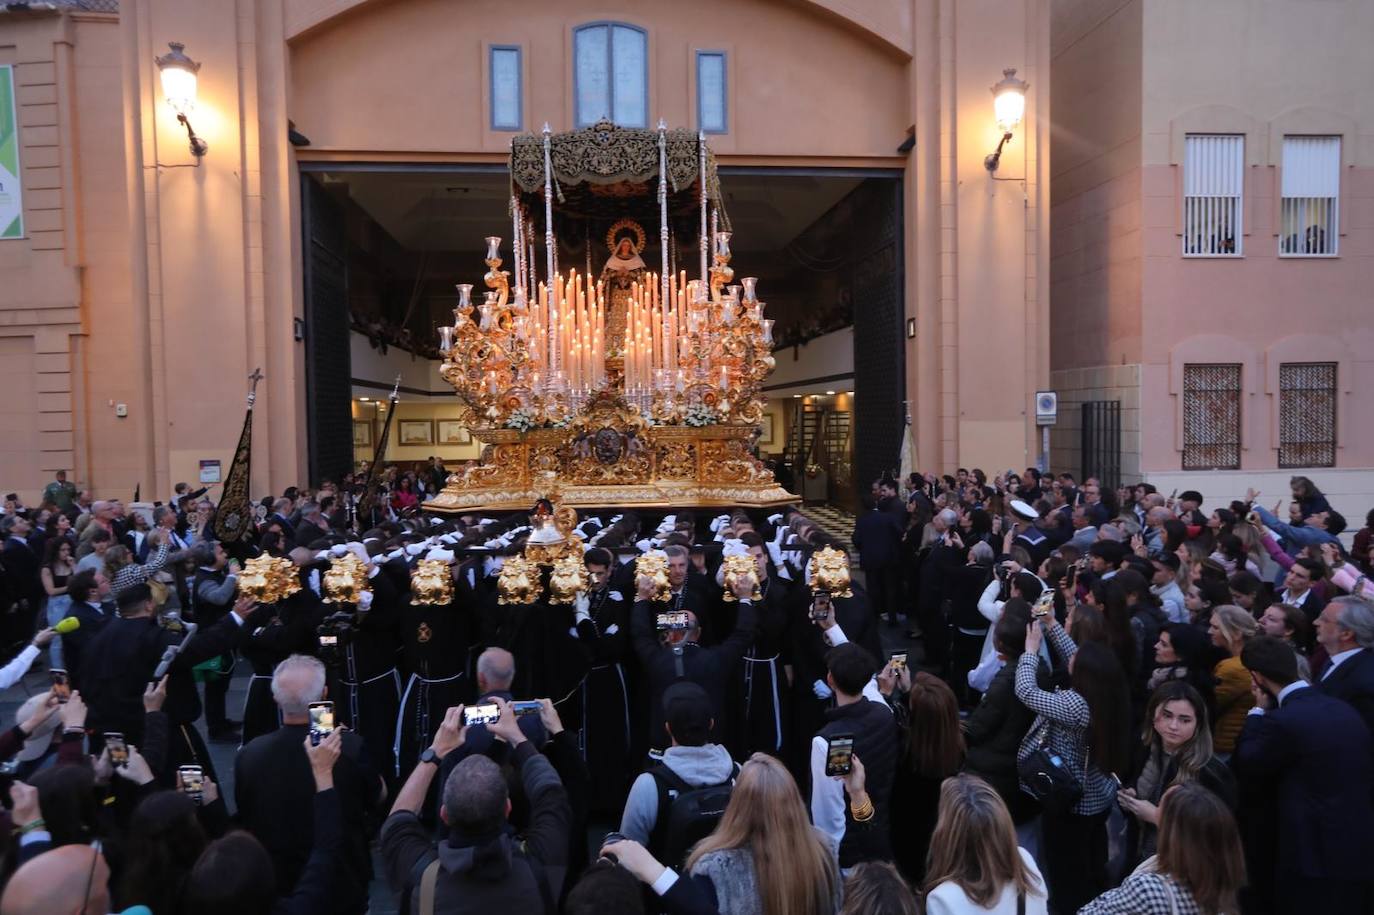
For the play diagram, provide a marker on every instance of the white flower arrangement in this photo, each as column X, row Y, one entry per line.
column 698, row 415
column 522, row 418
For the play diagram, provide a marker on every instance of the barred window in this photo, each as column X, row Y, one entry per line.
column 1211, row 417
column 1307, row 414
column 1213, row 185
column 1311, row 189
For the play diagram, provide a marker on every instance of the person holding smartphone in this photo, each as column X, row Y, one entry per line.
column 481, row 864
column 669, row 657
column 272, row 787
column 870, row 726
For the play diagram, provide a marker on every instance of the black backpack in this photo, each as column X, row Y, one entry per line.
column 686, row 813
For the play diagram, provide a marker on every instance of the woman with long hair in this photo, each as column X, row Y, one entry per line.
column 934, row 751
column 1310, row 499
column 1184, row 654
column 58, row 567
column 975, row 864
column 1198, row 870
column 876, row 888
column 1178, row 749
column 1230, row 629
column 1108, row 596
column 1088, row 727
column 763, row 857
column 164, row 838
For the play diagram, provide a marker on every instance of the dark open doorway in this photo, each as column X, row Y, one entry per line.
column 386, row 244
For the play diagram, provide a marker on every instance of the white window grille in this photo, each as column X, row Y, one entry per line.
column 1213, row 185
column 505, row 88
column 1310, row 193
column 711, row 104
column 611, row 74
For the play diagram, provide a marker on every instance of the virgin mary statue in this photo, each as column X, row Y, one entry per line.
column 623, row 269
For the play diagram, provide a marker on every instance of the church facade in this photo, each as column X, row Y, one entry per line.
column 147, row 282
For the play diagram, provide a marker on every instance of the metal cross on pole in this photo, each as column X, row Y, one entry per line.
column 254, row 378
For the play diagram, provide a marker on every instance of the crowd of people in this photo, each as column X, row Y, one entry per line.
column 1112, row 701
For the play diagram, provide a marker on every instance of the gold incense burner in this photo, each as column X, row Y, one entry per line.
column 518, row 582
column 569, row 577
column 654, row 565
column 828, row 570
column 346, row 580
column 269, row 579
column 735, row 566
column 431, row 584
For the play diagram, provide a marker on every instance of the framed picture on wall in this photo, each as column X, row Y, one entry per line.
column 768, row 431
column 362, row 433
column 453, row 432
column 417, row 432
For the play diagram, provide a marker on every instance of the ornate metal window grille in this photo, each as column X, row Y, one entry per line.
column 1211, row 417
column 1307, row 414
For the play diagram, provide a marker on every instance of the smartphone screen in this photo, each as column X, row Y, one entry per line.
column 526, row 707
column 61, row 684
column 839, row 755
column 192, row 781
column 674, row 620
column 321, row 721
column 329, row 641
column 898, row 660
column 820, row 606
column 119, row 750
column 486, row 713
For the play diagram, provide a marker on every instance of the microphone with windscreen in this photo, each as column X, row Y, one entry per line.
column 172, row 651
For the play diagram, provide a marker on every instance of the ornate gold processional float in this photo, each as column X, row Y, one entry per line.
column 634, row 388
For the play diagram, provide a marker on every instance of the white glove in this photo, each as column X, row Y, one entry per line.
column 338, row 550
column 821, row 690
column 734, row 547
column 774, row 519
column 365, row 602
column 581, row 608
column 444, row 555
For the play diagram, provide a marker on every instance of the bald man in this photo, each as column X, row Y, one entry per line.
column 495, row 673
column 71, row 880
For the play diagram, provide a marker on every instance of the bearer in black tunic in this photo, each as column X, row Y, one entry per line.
column 669, row 656
column 123, row 658
column 759, row 689
column 435, row 641
column 291, row 630
column 363, row 680
column 603, row 700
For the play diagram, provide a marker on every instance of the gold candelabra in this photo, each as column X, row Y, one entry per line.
column 697, row 357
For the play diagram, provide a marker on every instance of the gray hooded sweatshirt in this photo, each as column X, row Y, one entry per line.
column 697, row 766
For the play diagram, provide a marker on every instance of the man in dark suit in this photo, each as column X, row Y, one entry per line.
column 877, row 536
column 271, row 789
column 1346, row 630
column 21, row 563
column 1309, row 752
column 312, row 526
column 91, row 605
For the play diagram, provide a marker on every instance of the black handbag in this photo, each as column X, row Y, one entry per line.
column 1046, row 776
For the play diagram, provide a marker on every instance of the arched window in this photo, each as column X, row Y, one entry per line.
column 611, row 74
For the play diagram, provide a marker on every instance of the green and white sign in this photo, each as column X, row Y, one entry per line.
column 11, row 195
